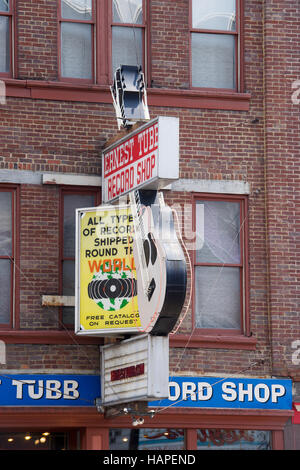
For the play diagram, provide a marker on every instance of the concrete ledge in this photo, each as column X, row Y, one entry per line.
column 210, row 186
column 58, row 301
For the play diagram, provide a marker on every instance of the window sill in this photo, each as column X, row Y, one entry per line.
column 46, row 337
column 213, row 342
column 70, row 91
column 176, row 341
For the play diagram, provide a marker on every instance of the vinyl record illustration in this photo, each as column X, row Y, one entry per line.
column 112, row 291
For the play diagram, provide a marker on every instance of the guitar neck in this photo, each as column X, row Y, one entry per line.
column 139, row 230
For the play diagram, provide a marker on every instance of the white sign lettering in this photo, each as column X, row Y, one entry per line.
column 147, row 156
column 50, row 389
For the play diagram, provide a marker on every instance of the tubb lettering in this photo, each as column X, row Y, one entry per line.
column 50, row 389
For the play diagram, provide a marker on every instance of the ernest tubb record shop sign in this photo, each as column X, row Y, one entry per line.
column 147, row 157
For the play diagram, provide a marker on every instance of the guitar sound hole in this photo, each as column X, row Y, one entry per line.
column 147, row 251
column 153, row 248
column 151, row 288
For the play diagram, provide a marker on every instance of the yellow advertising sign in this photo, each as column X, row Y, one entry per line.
column 106, row 288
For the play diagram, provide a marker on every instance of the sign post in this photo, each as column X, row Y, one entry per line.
column 117, row 291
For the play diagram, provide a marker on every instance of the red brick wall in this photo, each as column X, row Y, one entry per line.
column 282, row 145
column 169, row 44
column 65, row 136
column 37, row 39
column 39, row 248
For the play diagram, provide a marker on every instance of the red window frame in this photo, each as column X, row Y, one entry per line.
column 13, row 258
column 74, row 190
column 239, row 79
column 243, row 266
column 10, row 14
column 92, row 22
column 102, row 24
column 128, row 25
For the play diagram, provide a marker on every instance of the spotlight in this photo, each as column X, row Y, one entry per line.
column 138, row 422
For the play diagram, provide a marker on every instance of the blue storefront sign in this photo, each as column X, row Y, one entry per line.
column 217, row 392
column 195, row 392
column 49, row 390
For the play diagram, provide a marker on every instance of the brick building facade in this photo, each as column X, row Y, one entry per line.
column 239, row 123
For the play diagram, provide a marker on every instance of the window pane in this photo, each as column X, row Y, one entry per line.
column 5, row 224
column 76, row 9
column 4, row 5
column 127, row 46
column 128, row 11
column 72, row 202
column 5, row 290
column 15, row 440
column 76, row 50
column 68, row 315
column 217, row 297
column 146, row 439
column 214, row 14
column 4, row 44
column 229, row 439
column 218, row 227
column 68, row 278
column 68, row 289
column 213, row 60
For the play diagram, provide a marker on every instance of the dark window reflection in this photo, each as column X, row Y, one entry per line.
column 230, row 439
column 146, row 439
column 34, row 441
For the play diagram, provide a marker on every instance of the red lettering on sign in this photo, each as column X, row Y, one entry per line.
column 137, row 147
column 127, row 372
column 120, row 183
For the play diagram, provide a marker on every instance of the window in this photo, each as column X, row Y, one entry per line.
column 231, row 439
column 71, row 200
column 147, row 439
column 128, row 38
column 214, row 43
column 220, row 273
column 77, row 19
column 34, row 440
column 7, row 256
column 5, row 37
column 98, row 36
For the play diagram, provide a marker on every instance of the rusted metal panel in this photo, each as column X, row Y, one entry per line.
column 58, row 301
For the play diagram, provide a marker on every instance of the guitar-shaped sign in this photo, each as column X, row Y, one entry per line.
column 160, row 265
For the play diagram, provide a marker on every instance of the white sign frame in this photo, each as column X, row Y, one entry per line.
column 153, row 352
column 101, row 332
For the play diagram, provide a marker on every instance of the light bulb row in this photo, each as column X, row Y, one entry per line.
column 28, row 436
